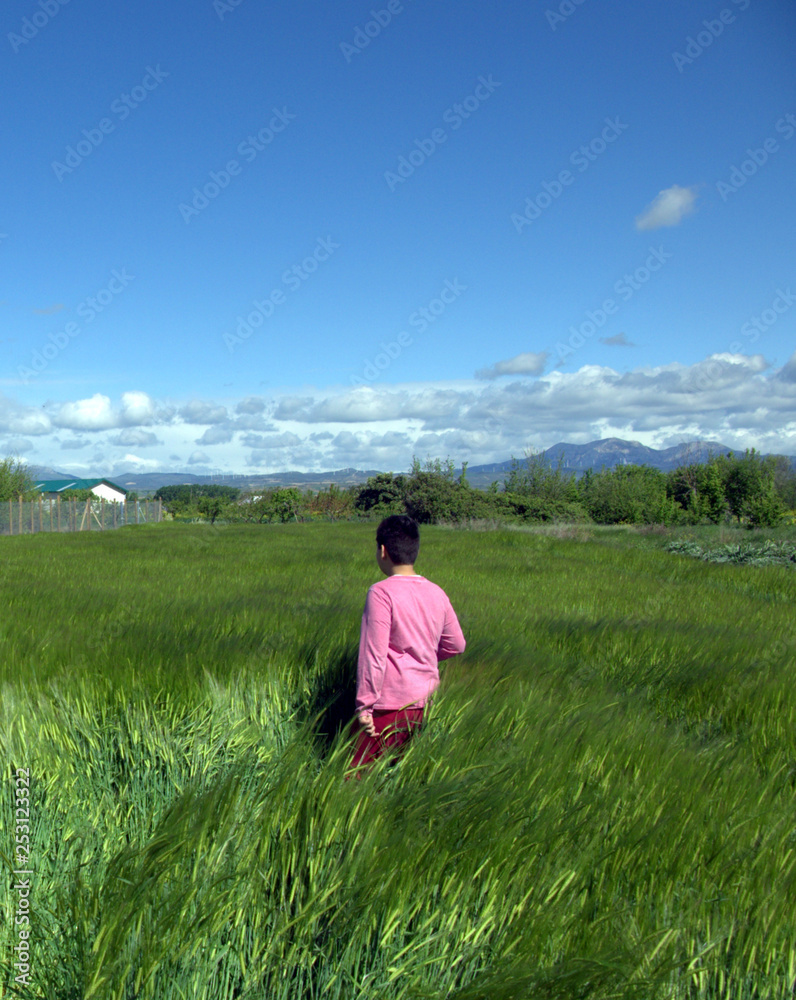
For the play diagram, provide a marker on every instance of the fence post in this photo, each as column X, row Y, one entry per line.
column 58, row 508
column 10, row 516
column 102, row 513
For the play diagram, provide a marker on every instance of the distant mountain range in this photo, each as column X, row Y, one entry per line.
column 577, row 458
column 606, row 453
column 148, row 482
column 611, row 452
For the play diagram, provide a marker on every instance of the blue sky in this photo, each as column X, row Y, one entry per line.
column 247, row 237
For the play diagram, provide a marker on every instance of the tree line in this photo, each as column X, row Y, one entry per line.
column 749, row 489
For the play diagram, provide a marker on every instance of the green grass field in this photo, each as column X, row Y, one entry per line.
column 601, row 805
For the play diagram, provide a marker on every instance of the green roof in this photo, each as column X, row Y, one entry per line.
column 59, row 485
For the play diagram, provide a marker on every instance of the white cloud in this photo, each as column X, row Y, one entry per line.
column 133, row 463
column 16, row 446
column 97, row 413
column 288, row 406
column 16, row 418
column 133, row 437
column 392, row 439
column 286, row 440
column 502, row 418
column 668, row 209
column 215, row 435
column 365, row 404
column 252, row 404
column 528, row 363
column 94, row 414
column 200, row 412
column 252, row 422
column 788, row 371
column 739, row 400
column 137, row 408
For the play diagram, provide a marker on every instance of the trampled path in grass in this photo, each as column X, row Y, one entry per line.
column 601, row 803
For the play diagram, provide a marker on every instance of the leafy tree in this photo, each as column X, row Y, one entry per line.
column 698, row 490
column 538, row 477
column 429, row 493
column 256, row 509
column 184, row 498
column 383, row 495
column 629, row 494
column 211, row 507
column 785, row 480
column 537, row 490
column 287, row 503
column 279, row 504
column 434, row 493
column 749, row 489
column 712, row 501
column 15, row 480
column 335, row 503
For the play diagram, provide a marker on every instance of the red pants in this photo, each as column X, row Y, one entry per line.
column 393, row 729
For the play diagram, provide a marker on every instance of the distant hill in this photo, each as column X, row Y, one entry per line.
column 608, row 453
column 611, row 452
column 45, row 472
column 148, row 482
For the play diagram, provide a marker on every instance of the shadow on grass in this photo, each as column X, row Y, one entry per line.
column 332, row 698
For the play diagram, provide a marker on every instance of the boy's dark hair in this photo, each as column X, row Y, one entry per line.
column 400, row 536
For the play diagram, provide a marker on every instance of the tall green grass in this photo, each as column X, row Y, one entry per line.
column 601, row 803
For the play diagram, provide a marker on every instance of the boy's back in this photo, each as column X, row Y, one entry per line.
column 407, row 627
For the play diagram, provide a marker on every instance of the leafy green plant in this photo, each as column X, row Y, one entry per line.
column 15, row 480
column 768, row 553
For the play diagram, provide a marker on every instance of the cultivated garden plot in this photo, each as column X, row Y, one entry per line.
column 600, row 805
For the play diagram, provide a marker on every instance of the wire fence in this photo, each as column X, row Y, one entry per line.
column 24, row 517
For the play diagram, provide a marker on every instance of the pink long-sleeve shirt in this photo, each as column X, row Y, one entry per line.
column 408, row 626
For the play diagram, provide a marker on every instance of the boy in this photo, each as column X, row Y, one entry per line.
column 408, row 626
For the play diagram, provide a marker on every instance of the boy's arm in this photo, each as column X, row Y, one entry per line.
column 451, row 642
column 374, row 641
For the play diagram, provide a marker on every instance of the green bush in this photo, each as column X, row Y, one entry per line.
column 15, row 480
column 629, row 494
